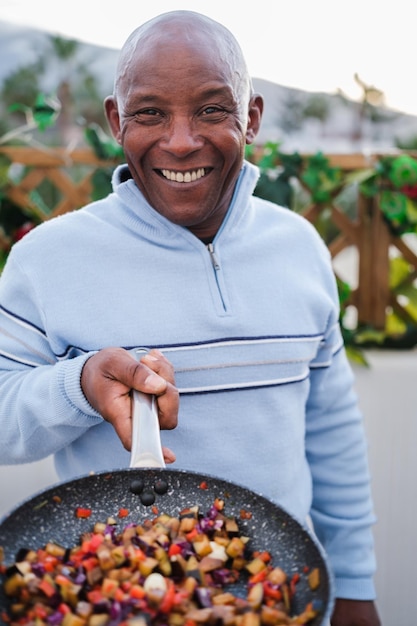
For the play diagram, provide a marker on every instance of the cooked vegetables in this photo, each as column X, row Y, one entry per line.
column 173, row 571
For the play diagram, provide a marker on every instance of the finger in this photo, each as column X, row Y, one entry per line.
column 123, row 427
column 146, row 380
column 169, row 455
column 158, row 363
column 168, row 400
column 168, row 406
column 101, row 384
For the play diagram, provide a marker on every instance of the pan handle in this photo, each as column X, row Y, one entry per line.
column 146, row 434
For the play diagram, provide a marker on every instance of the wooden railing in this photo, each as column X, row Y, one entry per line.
column 376, row 244
column 69, row 173
column 367, row 232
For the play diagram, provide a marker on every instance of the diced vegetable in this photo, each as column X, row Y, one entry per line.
column 82, row 512
column 314, row 578
column 164, row 571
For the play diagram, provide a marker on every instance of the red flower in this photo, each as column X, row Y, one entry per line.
column 23, row 230
column 410, row 191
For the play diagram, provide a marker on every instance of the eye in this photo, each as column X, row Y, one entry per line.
column 151, row 112
column 214, row 113
column 212, row 109
column 148, row 115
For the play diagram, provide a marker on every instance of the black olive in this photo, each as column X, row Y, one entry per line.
column 147, row 497
column 21, row 554
column 136, row 486
column 12, row 570
column 161, row 486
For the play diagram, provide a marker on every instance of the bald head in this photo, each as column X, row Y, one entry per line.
column 184, row 111
column 182, row 27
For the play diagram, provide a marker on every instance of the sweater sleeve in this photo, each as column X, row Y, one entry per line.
column 336, row 447
column 42, row 406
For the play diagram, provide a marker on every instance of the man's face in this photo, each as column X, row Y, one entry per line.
column 183, row 125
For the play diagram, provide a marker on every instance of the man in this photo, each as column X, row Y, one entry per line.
column 234, row 297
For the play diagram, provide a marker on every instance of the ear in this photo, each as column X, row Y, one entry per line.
column 113, row 118
column 256, row 107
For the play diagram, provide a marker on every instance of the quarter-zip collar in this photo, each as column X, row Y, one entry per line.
column 144, row 217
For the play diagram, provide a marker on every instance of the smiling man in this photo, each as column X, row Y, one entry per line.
column 234, row 298
column 184, row 152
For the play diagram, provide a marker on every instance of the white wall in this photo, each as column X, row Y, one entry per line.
column 388, row 397
column 387, row 394
column 18, row 482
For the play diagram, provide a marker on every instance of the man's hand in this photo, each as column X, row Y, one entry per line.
column 354, row 613
column 108, row 377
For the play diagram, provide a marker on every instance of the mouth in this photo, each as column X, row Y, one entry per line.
column 189, row 176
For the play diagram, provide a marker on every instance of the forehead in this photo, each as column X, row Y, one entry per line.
column 178, row 50
column 172, row 49
column 177, row 33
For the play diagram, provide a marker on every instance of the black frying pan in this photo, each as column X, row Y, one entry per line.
column 50, row 515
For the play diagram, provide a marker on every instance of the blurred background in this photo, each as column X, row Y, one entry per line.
column 317, row 46
column 335, row 77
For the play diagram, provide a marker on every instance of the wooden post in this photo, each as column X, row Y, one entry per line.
column 373, row 293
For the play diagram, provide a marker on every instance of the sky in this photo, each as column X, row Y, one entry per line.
column 316, row 45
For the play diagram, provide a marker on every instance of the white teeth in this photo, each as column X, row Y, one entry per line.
column 184, row 177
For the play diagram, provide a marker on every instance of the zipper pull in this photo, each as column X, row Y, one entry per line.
column 214, row 260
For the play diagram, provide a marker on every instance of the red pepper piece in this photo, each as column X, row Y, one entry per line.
column 168, row 599
column 47, row 588
column 259, row 577
column 174, row 549
column 293, row 583
column 82, row 512
column 272, row 592
column 137, row 592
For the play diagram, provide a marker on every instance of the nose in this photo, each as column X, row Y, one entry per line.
column 181, row 137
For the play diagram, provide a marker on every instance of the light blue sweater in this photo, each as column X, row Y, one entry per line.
column 252, row 329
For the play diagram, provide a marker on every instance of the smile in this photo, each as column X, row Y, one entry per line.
column 184, row 177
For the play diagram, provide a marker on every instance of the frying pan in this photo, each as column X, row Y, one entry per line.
column 50, row 515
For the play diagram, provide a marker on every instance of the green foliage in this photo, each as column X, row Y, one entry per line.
column 15, row 221
column 45, row 111
column 317, row 107
column 64, row 48
column 408, row 143
column 105, row 148
column 393, row 182
column 277, row 170
column 321, row 179
column 22, row 86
